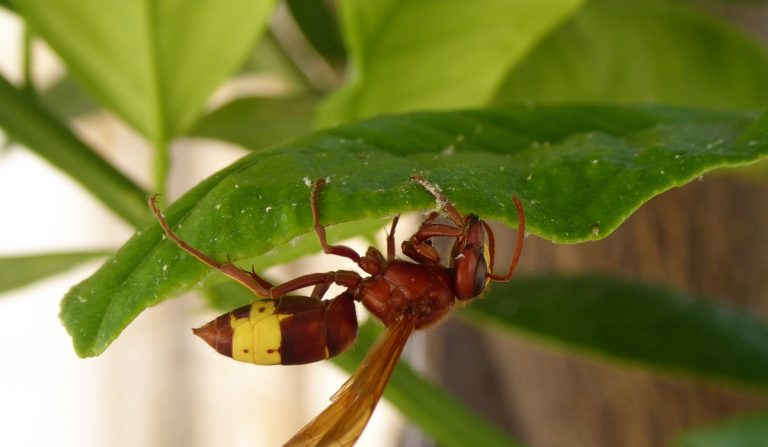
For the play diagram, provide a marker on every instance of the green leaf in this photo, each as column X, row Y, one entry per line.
column 579, row 171
column 751, row 431
column 27, row 121
column 153, row 62
column 440, row 415
column 642, row 52
column 257, row 122
column 319, row 25
column 633, row 323
column 18, row 271
column 434, row 54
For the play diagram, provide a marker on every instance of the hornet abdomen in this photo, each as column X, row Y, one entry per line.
column 289, row 330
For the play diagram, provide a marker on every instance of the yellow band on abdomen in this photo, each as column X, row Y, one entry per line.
column 256, row 339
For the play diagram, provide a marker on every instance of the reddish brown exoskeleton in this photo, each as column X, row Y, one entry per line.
column 406, row 296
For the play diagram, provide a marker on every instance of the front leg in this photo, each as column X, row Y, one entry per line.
column 371, row 264
column 418, row 247
column 338, row 250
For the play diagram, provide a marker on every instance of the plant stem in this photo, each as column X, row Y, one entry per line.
column 26, row 60
column 161, row 168
column 27, row 121
column 270, row 37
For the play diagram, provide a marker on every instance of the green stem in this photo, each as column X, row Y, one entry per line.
column 26, row 59
column 270, row 38
column 27, row 121
column 160, row 169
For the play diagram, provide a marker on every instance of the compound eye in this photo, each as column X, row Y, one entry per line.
column 481, row 276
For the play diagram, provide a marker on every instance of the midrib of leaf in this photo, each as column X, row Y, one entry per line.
column 161, row 160
column 150, row 15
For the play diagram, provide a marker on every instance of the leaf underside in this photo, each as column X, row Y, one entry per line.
column 633, row 323
column 456, row 53
column 642, row 52
column 579, row 171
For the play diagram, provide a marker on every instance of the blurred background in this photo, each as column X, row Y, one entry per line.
column 157, row 385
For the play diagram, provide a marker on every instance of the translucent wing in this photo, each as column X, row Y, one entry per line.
column 342, row 422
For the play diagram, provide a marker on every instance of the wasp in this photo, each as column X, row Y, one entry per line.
column 405, row 295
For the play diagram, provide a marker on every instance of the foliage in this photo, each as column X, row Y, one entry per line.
column 491, row 99
column 580, row 172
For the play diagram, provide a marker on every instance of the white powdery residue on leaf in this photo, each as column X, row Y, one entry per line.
column 307, row 181
column 268, row 209
column 165, row 267
column 449, row 150
column 218, row 205
column 434, row 189
column 715, row 143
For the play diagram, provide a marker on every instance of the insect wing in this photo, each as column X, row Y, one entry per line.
column 342, row 422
